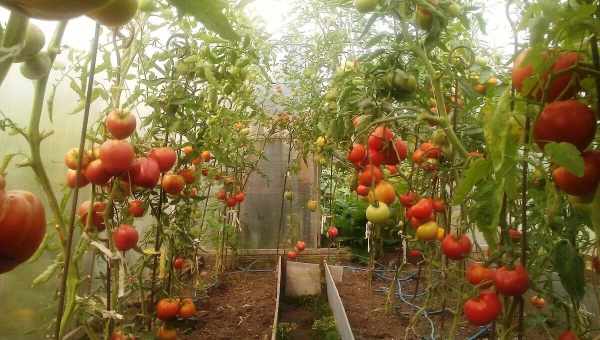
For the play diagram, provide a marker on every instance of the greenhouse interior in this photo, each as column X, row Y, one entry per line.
column 291, row 170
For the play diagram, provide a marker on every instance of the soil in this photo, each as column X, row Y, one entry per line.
column 365, row 307
column 242, row 306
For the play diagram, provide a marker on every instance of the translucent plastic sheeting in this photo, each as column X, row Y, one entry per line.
column 261, row 212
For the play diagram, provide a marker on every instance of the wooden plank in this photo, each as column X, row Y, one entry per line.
column 337, row 307
column 302, row 279
column 337, row 272
column 305, row 252
column 279, row 285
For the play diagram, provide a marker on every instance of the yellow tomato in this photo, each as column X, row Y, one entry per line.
column 440, row 234
column 428, row 231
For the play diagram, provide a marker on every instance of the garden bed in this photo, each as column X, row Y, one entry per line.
column 366, row 310
column 243, row 303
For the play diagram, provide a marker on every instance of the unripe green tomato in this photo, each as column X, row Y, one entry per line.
column 424, row 18
column 147, row 6
column 439, row 137
column 56, row 9
column 116, row 13
column 34, row 42
column 365, row 6
column 36, row 67
column 411, row 84
column 454, row 10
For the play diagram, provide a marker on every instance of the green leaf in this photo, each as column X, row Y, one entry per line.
column 478, row 170
column 496, row 125
column 210, row 13
column 486, row 211
column 70, row 296
column 45, row 276
column 566, row 155
column 569, row 265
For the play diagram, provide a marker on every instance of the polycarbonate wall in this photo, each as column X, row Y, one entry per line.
column 261, row 212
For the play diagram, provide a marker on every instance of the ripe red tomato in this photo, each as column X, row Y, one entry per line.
column 292, row 255
column 596, row 263
column 415, row 253
column 513, row 282
column 221, row 195
column 187, row 150
column 145, row 172
column 74, row 181
column 515, row 234
column 538, row 302
column 125, row 237
column 231, row 201
column 187, row 310
column 332, row 232
column 178, row 263
column 422, row 210
column 206, row 156
column 400, row 149
column 380, row 136
column 483, row 309
column 579, row 186
column 300, row 245
column 22, row 227
column 188, row 174
column 120, row 335
column 136, row 208
column 439, row 205
column 116, row 156
column 173, row 184
column 72, row 159
column 96, row 173
column 392, row 169
column 240, row 197
column 120, row 124
column 568, row 335
column 165, row 157
column 97, row 222
column 478, row 274
column 167, row 309
column 362, row 190
column 165, row 333
column 430, row 150
column 418, row 156
column 456, row 249
column 376, row 157
column 357, row 154
column 565, row 121
column 370, row 175
column 565, row 60
column 409, row 199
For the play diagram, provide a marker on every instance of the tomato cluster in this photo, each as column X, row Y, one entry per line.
column 231, row 199
column 508, row 281
column 563, row 119
column 298, row 248
column 169, row 309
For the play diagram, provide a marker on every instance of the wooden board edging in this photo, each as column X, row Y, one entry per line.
column 278, row 297
column 337, row 307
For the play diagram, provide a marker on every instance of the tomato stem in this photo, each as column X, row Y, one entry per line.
column 14, row 35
